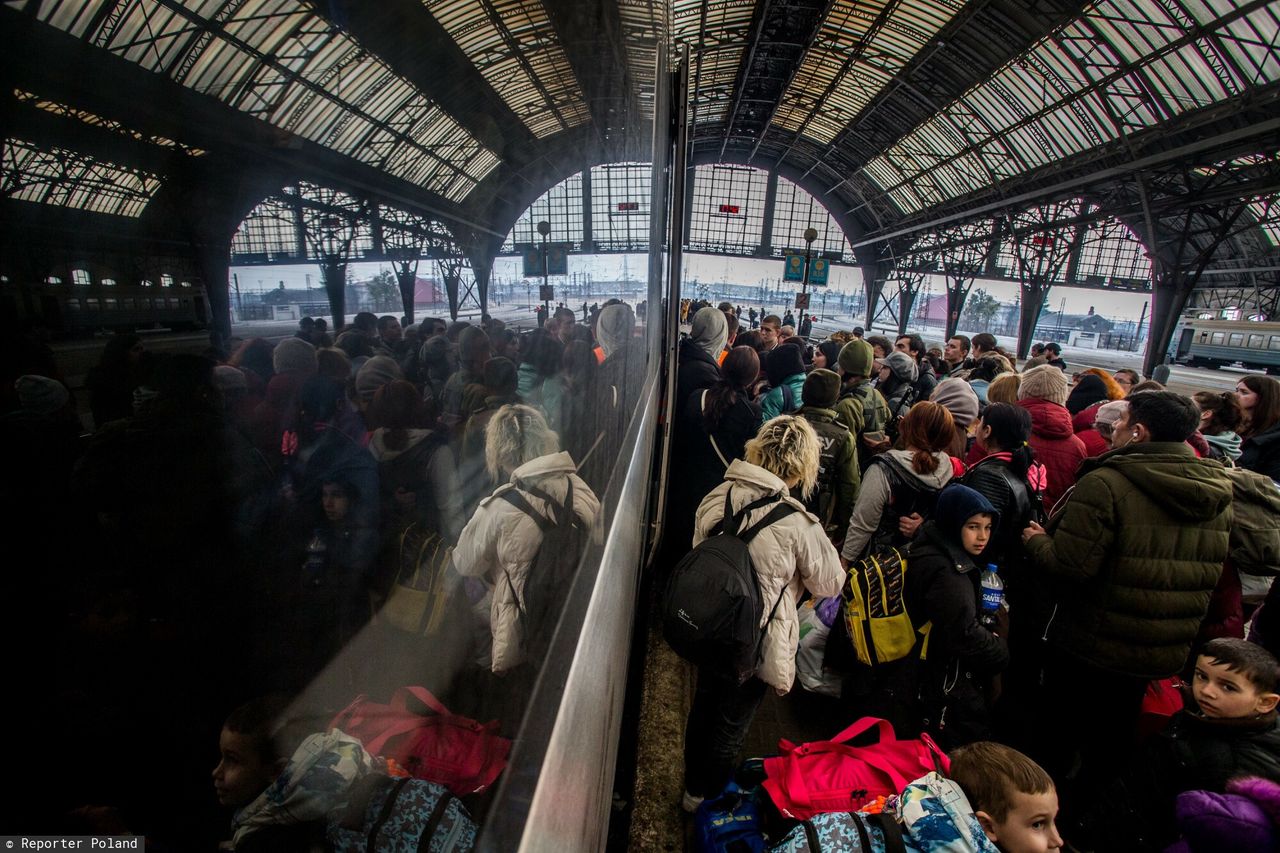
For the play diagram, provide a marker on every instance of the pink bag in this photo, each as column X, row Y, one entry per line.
column 832, row 776
column 428, row 740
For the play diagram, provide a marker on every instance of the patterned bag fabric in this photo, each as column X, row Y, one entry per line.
column 388, row 815
column 844, row 832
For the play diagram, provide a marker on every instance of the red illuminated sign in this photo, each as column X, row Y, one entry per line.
column 628, row 205
column 730, row 208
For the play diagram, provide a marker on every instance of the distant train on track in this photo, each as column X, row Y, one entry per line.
column 1218, row 343
column 84, row 307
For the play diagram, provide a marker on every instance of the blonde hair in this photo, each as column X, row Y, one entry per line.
column 1004, row 388
column 513, row 436
column 788, row 447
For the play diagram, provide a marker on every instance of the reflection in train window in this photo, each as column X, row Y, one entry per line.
column 173, row 302
column 1236, row 339
column 1274, row 342
column 109, row 304
column 1218, row 337
column 166, row 280
column 108, row 282
column 1256, row 341
column 186, row 284
column 146, row 282
column 53, row 279
column 73, row 304
column 127, row 303
column 1204, row 337
column 81, row 277
column 91, row 304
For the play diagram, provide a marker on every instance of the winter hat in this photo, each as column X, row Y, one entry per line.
column 614, row 327
column 821, row 388
column 375, row 373
column 500, row 376
column 956, row 505
column 856, row 357
column 472, row 344
column 40, row 394
column 710, row 331
column 958, row 398
column 1045, row 382
column 903, row 366
column 1109, row 413
column 781, row 363
column 294, row 354
column 1089, row 390
column 229, row 378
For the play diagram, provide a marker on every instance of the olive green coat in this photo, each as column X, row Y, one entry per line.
column 1133, row 557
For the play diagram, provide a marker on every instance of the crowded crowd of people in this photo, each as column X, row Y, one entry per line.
column 1134, row 532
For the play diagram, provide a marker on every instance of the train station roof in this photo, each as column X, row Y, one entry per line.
column 899, row 115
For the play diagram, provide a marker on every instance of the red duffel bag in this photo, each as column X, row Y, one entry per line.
column 832, row 776
column 427, row 739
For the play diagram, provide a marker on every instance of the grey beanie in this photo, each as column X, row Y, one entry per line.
column 296, row 355
column 374, row 373
column 958, row 398
column 904, row 367
column 614, row 327
column 229, row 378
column 40, row 394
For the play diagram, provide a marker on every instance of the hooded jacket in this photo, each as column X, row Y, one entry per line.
column 793, row 554
column 874, row 496
column 1055, row 444
column 500, row 543
column 1134, row 556
column 430, row 466
column 1261, row 453
column 784, row 366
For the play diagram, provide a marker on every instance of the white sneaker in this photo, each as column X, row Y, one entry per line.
column 690, row 803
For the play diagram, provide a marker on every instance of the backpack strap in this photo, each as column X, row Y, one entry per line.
column 702, row 404
column 779, row 512
column 730, row 521
column 891, row 831
column 788, row 398
column 517, row 500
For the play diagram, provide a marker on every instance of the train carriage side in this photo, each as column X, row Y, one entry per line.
column 1218, row 343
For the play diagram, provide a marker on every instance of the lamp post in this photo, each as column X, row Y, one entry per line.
column 544, row 228
column 810, row 234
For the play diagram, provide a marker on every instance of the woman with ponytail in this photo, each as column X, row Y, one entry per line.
column 1220, row 418
column 900, row 486
column 1009, row 477
column 718, row 423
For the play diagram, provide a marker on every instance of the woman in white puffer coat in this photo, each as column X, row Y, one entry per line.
column 500, row 540
column 792, row 554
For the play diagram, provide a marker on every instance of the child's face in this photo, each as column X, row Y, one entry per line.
column 242, row 773
column 1028, row 827
column 975, row 532
column 335, row 502
column 1226, row 695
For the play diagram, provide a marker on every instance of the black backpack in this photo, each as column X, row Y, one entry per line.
column 711, row 609
column 907, row 495
column 564, row 538
column 832, row 436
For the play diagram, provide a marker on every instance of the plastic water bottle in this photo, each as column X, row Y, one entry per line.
column 314, row 566
column 992, row 595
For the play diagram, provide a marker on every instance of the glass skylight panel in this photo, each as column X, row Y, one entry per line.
column 728, row 209
column 513, row 44
column 795, row 210
column 270, row 230
column 561, row 206
column 620, row 194
column 280, row 62
column 853, row 30
column 716, row 51
column 1110, row 250
column 96, row 120
column 65, row 178
column 1049, row 103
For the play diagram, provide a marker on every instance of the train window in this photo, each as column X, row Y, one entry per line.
column 173, row 302
column 109, row 304
column 1274, row 343
column 1236, row 339
column 127, row 303
column 91, row 304
column 1204, row 337
column 81, row 277
column 73, row 304
column 166, row 280
column 53, row 279
column 1219, row 337
column 1255, row 341
column 108, row 282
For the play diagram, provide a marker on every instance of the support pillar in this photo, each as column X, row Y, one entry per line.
column 407, row 278
column 1033, row 294
column 906, row 301
column 334, row 275
column 1169, row 296
column 215, row 268
column 481, row 268
column 958, row 286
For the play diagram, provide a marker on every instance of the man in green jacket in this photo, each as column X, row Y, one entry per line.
column 860, row 407
column 1121, row 581
column 838, row 472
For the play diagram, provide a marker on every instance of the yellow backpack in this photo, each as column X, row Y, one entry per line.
column 875, row 610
